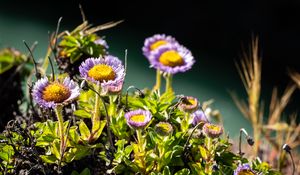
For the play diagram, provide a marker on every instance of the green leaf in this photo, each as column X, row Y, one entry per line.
column 86, row 171
column 48, row 159
column 84, row 130
column 184, row 171
column 6, row 153
column 73, row 134
column 97, row 134
column 45, row 140
column 9, row 58
column 82, row 113
column 6, row 63
column 55, row 149
column 166, row 171
column 75, row 56
column 203, row 152
column 75, row 173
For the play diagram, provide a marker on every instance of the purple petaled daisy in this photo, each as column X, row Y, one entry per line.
column 171, row 59
column 102, row 42
column 107, row 71
column 50, row 94
column 198, row 116
column 156, row 41
column 244, row 169
column 138, row 118
column 212, row 131
column 188, row 104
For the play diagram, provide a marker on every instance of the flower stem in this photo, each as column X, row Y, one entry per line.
column 140, row 138
column 158, row 80
column 141, row 149
column 108, row 125
column 58, row 112
column 112, row 106
column 169, row 78
column 96, row 114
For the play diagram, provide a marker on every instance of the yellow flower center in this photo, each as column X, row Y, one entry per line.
column 164, row 128
column 245, row 172
column 158, row 44
column 102, row 72
column 214, row 128
column 171, row 58
column 56, row 92
column 192, row 101
column 137, row 118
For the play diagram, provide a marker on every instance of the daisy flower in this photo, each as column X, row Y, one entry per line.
column 107, row 71
column 138, row 118
column 172, row 59
column 50, row 94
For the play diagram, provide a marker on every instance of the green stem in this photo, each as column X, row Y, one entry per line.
column 140, row 139
column 169, row 78
column 141, row 149
column 112, row 106
column 108, row 124
column 96, row 115
column 158, row 80
column 58, row 112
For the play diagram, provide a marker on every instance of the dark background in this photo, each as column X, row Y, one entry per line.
column 215, row 32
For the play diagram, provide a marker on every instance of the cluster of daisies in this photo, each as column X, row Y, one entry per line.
column 164, row 54
column 167, row 55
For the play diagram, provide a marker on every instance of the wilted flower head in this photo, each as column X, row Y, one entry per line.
column 171, row 59
column 107, row 71
column 138, row 118
column 50, row 94
column 244, row 169
column 156, row 41
column 212, row 130
column 164, row 128
column 198, row 116
column 188, row 104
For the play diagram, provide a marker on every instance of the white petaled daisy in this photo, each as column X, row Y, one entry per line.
column 213, row 131
column 244, row 169
column 138, row 118
column 50, row 94
column 171, row 59
column 107, row 71
column 156, row 41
